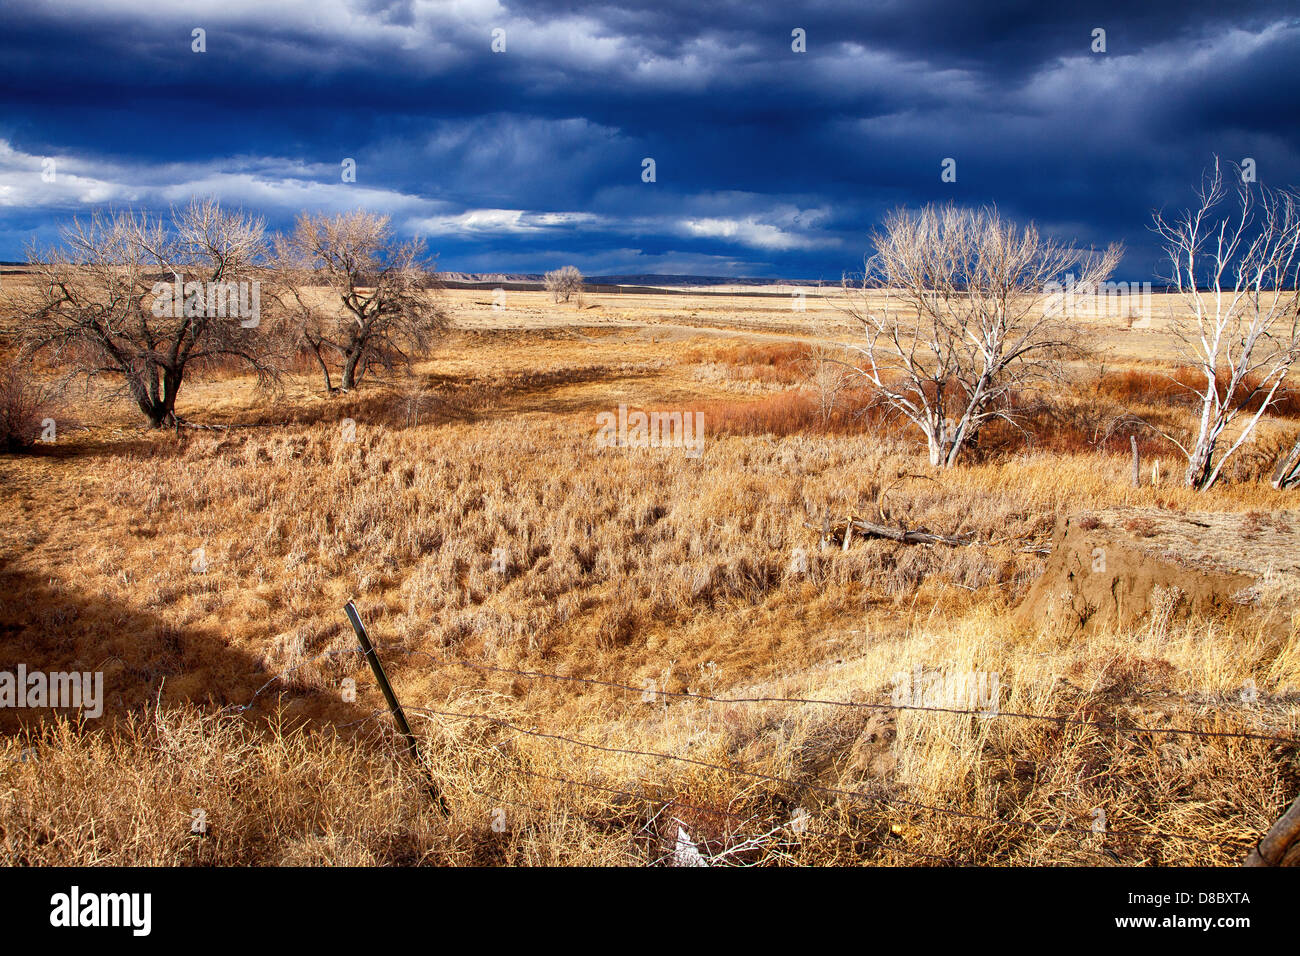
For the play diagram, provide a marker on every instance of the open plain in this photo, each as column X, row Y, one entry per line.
column 511, row 569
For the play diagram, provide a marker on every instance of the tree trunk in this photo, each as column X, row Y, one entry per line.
column 350, row 366
column 938, row 439
column 944, row 447
column 1198, row 465
column 160, row 413
column 325, row 369
column 155, row 394
column 1200, row 461
column 954, row 450
column 160, row 407
column 1288, row 469
column 936, row 451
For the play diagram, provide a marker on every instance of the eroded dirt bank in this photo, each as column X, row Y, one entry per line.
column 1118, row 566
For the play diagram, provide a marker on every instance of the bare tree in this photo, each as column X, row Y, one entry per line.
column 141, row 300
column 564, row 283
column 375, row 309
column 958, row 312
column 1233, row 257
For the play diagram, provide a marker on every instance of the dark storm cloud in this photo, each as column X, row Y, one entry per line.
column 769, row 162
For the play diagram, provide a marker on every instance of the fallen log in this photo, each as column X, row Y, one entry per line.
column 901, row 535
column 911, row 537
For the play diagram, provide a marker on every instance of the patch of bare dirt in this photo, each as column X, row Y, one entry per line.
column 1119, row 566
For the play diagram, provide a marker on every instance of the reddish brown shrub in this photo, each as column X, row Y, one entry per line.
column 794, row 412
column 23, row 406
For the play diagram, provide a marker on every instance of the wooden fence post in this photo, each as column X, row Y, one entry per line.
column 1281, row 845
column 1137, row 469
column 399, row 716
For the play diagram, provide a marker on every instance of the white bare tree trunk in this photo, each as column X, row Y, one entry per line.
column 1236, row 270
column 1287, row 474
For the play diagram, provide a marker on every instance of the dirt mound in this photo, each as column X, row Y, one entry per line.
column 1116, row 567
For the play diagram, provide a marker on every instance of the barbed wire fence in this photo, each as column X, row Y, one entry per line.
column 744, row 837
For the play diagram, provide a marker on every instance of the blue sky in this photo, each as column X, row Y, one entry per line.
column 768, row 162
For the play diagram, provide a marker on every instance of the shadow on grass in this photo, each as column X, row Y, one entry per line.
column 49, row 626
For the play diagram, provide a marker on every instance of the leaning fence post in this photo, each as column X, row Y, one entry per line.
column 398, row 714
column 1137, row 470
column 1281, row 845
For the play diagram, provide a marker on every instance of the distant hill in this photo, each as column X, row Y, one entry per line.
column 481, row 278
column 688, row 280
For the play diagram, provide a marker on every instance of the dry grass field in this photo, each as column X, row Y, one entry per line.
column 487, row 538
